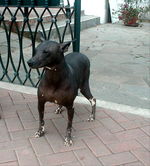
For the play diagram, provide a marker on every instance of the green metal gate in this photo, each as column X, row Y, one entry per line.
column 18, row 38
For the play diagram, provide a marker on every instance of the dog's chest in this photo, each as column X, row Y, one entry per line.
column 59, row 96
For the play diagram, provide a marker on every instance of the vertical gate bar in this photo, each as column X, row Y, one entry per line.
column 6, row 1
column 77, row 26
column 26, row 9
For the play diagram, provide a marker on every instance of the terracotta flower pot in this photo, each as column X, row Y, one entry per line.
column 131, row 22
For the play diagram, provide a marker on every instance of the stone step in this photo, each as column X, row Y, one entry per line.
column 87, row 21
column 46, row 17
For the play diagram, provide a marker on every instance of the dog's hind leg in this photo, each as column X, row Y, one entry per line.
column 68, row 138
column 85, row 90
column 93, row 104
column 58, row 110
column 40, row 131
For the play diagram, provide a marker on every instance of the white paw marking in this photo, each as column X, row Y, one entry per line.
column 68, row 142
column 92, row 101
column 43, row 128
column 37, row 134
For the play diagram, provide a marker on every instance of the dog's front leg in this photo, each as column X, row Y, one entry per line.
column 40, row 131
column 68, row 138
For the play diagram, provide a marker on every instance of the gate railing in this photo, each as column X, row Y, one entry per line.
column 16, row 24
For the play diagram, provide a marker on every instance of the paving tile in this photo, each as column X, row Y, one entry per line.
column 134, row 164
column 17, row 98
column 57, row 159
column 97, row 147
column 10, row 114
column 21, row 107
column 105, row 135
column 100, row 114
column 86, row 125
column 78, row 118
column 60, row 124
column 143, row 155
column 93, row 141
column 2, row 123
column 31, row 124
column 52, row 115
column 130, row 134
column 145, row 141
column 26, row 116
column 5, row 101
column 117, row 159
column 134, row 124
column 26, row 157
column 13, row 124
column 1, row 113
column 33, row 106
column 13, row 163
column 146, row 129
column 41, row 146
column 52, row 136
column 86, row 158
column 82, row 134
column 132, row 116
column 72, row 164
column 15, row 135
column 124, row 146
column 7, row 156
column 3, row 93
column 79, row 109
column 6, row 108
column 117, row 116
column 111, row 125
column 4, row 135
column 57, row 142
column 15, row 144
column 29, row 98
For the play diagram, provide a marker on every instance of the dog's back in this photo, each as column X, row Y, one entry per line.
column 80, row 65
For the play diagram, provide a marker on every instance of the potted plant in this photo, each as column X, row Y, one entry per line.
column 130, row 11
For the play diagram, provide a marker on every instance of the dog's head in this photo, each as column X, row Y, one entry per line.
column 48, row 53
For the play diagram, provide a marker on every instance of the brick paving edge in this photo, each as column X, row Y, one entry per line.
column 82, row 100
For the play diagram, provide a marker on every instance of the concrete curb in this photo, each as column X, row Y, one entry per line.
column 100, row 103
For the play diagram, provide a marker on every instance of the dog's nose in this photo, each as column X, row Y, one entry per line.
column 30, row 62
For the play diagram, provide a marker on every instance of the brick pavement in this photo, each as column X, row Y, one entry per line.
column 114, row 139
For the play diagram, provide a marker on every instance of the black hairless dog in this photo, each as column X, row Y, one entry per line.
column 64, row 75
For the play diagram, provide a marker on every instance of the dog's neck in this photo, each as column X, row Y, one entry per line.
column 57, row 72
column 57, row 67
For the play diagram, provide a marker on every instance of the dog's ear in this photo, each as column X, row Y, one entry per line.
column 64, row 46
column 41, row 36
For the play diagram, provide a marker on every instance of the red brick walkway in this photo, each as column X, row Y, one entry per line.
column 113, row 139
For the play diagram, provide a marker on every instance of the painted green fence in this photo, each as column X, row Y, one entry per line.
column 18, row 38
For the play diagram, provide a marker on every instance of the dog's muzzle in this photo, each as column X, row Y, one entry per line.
column 33, row 64
column 30, row 63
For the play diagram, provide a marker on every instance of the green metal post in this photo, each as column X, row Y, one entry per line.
column 76, row 43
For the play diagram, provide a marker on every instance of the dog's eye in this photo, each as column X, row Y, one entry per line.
column 45, row 52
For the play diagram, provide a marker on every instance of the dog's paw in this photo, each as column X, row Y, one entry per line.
column 39, row 134
column 91, row 118
column 68, row 141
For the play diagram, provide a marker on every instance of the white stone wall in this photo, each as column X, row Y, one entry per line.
column 100, row 8
column 95, row 7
